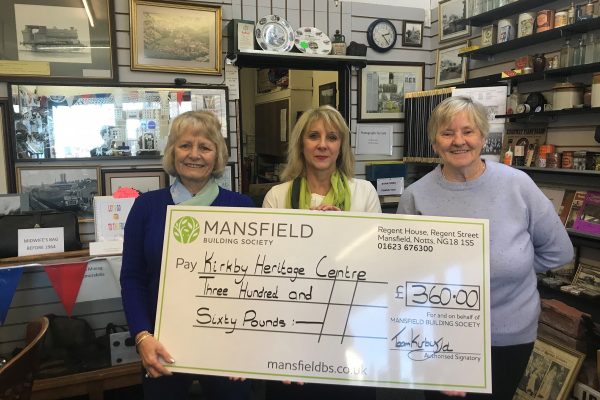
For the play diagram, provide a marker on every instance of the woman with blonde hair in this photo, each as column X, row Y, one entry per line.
column 319, row 173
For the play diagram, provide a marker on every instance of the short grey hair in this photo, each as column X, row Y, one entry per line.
column 444, row 112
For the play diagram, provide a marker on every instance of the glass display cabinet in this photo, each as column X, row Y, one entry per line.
column 102, row 122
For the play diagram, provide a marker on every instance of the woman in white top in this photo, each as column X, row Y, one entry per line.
column 320, row 168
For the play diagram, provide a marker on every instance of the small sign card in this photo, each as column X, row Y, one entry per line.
column 41, row 241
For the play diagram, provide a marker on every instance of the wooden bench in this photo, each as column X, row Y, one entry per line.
column 91, row 383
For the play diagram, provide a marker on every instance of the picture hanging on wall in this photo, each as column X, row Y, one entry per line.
column 60, row 188
column 175, row 36
column 141, row 179
column 452, row 20
column 451, row 69
column 412, row 33
column 57, row 40
column 381, row 89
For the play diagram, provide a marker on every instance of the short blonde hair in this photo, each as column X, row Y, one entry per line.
column 200, row 123
column 332, row 119
column 444, row 112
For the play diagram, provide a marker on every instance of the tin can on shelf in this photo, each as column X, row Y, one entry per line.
column 544, row 20
column 553, row 160
column 561, row 18
column 596, row 90
column 579, row 160
column 567, row 160
column 544, row 150
column 567, row 95
column 506, row 30
column 525, row 24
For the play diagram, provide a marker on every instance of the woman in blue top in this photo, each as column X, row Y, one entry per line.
column 526, row 235
column 195, row 155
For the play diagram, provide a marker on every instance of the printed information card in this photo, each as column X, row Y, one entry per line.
column 332, row 297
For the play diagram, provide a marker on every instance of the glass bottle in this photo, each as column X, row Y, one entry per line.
column 338, row 44
column 508, row 156
column 519, row 156
column 578, row 51
column 590, row 48
column 571, row 13
column 512, row 101
column 566, row 55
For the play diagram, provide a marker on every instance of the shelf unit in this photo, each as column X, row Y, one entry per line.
column 551, row 114
column 536, row 38
column 264, row 58
column 504, row 11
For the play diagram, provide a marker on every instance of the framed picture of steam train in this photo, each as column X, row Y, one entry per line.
column 58, row 40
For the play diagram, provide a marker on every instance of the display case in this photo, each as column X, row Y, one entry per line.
column 102, row 122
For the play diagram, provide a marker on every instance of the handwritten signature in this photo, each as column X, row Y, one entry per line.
column 420, row 349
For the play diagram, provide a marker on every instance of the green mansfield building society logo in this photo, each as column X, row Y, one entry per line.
column 187, row 229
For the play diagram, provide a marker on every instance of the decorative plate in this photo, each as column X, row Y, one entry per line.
column 311, row 40
column 274, row 33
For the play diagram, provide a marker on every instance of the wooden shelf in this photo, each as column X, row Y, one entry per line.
column 549, row 114
column 584, row 239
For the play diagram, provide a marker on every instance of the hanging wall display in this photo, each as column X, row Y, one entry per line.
column 382, row 86
column 452, row 20
column 175, row 36
column 451, row 69
column 58, row 40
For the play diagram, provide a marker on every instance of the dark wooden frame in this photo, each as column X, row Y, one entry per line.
column 102, row 40
column 108, row 174
column 405, row 43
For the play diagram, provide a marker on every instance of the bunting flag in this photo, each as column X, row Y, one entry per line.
column 9, row 279
column 66, row 280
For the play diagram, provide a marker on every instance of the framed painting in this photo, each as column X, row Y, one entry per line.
column 381, row 89
column 60, row 188
column 412, row 33
column 175, row 36
column 328, row 94
column 550, row 373
column 452, row 20
column 142, row 180
column 451, row 69
column 58, row 40
column 227, row 180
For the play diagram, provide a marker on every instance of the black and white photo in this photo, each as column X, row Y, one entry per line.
column 452, row 20
column 451, row 69
column 412, row 34
column 60, row 188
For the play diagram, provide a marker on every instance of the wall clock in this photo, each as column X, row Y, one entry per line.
column 381, row 35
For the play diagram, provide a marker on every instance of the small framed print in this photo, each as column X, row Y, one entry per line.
column 452, row 20
column 451, row 69
column 241, row 35
column 550, row 373
column 141, row 179
column 412, row 34
column 328, row 94
column 488, row 35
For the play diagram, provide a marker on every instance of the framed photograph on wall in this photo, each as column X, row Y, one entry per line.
column 452, row 19
column 14, row 203
column 60, row 188
column 227, row 180
column 550, row 373
column 141, row 179
column 175, row 36
column 412, row 33
column 451, row 69
column 58, row 40
column 381, row 88
column 328, row 94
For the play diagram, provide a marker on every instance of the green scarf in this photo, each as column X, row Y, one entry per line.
column 338, row 195
column 204, row 197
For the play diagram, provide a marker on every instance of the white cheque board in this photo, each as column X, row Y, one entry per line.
column 349, row 298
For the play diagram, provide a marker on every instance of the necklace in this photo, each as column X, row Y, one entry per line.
column 477, row 175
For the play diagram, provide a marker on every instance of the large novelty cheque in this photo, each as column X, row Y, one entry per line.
column 348, row 298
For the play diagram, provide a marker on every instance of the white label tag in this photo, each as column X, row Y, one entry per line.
column 41, row 241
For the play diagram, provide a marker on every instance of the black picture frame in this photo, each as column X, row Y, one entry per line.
column 412, row 33
column 141, row 179
column 88, row 54
column 328, row 94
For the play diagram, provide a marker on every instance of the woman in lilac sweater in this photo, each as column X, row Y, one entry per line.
column 195, row 155
column 526, row 235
